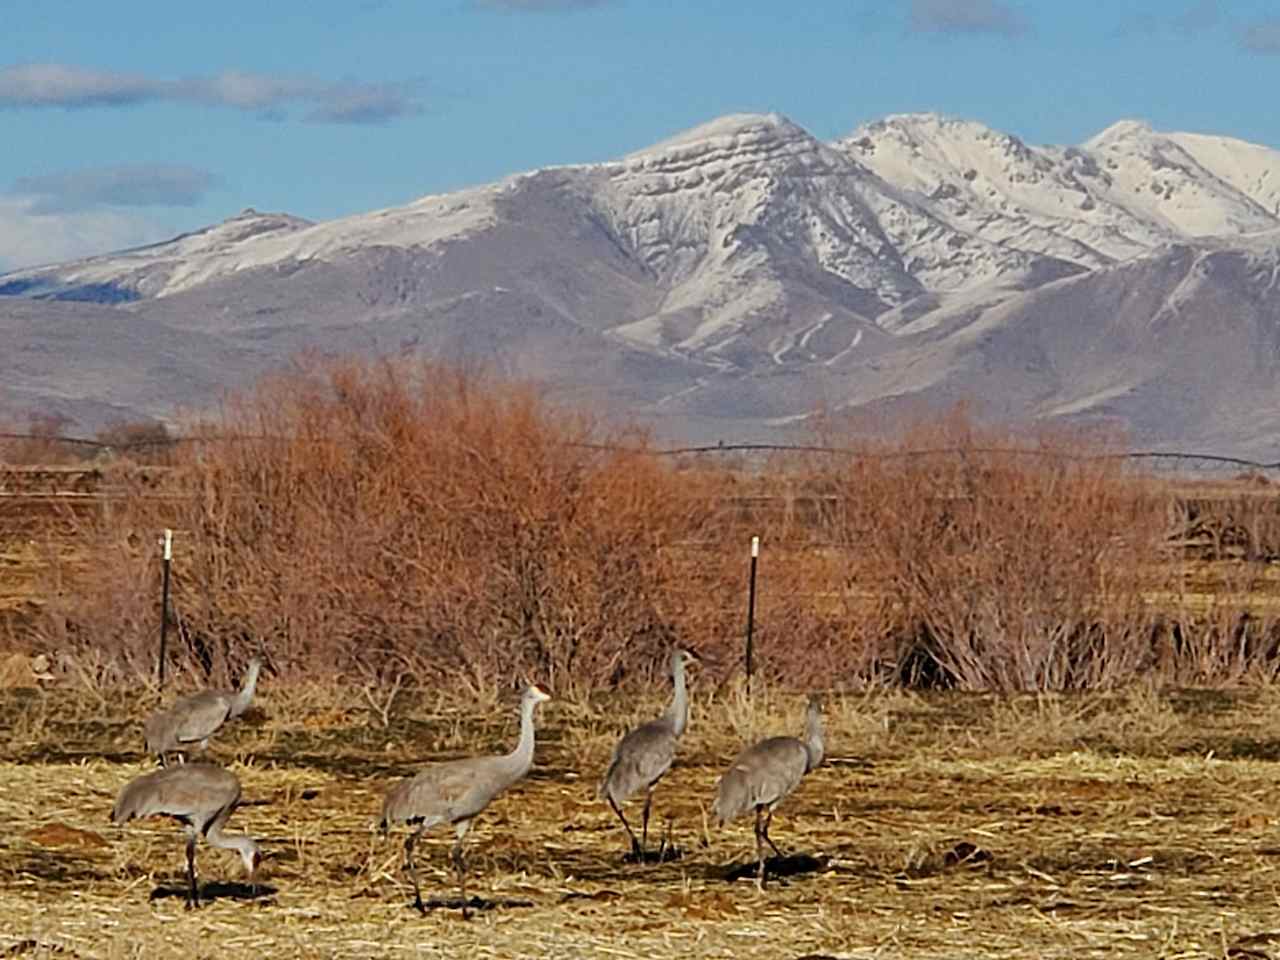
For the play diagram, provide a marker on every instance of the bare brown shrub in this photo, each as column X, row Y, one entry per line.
column 139, row 441
column 391, row 525
column 1015, row 560
column 40, row 441
column 381, row 519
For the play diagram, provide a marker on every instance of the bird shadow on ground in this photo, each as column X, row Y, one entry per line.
column 60, row 755
column 219, row 891
column 39, row 948
column 664, row 854
column 54, row 866
column 474, row 903
column 775, row 868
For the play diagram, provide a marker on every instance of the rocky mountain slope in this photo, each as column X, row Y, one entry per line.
column 730, row 282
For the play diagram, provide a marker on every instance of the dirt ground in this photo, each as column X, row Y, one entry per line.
column 1140, row 825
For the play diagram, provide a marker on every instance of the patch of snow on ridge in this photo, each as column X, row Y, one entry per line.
column 420, row 224
column 730, row 218
column 1123, row 193
column 253, row 240
column 1155, row 176
column 1252, row 169
column 726, row 128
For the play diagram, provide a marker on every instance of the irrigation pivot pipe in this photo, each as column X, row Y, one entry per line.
column 751, row 606
column 166, row 563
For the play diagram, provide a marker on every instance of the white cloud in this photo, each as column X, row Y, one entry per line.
column 539, row 6
column 1262, row 37
column 1189, row 20
column 951, row 17
column 129, row 185
column 63, row 85
column 29, row 238
column 50, row 85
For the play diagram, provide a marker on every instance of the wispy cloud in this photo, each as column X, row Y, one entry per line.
column 133, row 185
column 363, row 103
column 46, row 85
column 1199, row 16
column 1192, row 19
column 78, row 213
column 539, row 6
column 29, row 238
column 951, row 17
column 60, row 85
column 1262, row 36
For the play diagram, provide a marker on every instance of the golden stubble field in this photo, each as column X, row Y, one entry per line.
column 1136, row 825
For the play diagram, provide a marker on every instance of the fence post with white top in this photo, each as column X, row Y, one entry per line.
column 166, row 563
column 751, row 606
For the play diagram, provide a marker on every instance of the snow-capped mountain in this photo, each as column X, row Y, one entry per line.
column 1123, row 193
column 732, row 280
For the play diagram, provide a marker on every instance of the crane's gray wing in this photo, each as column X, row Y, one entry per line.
column 159, row 732
column 444, row 793
column 194, row 791
column 640, row 759
column 200, row 715
column 760, row 775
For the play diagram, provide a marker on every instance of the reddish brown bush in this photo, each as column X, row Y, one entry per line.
column 383, row 520
column 368, row 519
column 1015, row 560
column 40, row 442
column 139, row 441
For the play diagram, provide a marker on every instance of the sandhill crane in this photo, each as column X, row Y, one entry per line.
column 643, row 756
column 761, row 775
column 455, row 791
column 201, row 796
column 193, row 719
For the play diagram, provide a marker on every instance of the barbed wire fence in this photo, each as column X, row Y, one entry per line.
column 1174, row 460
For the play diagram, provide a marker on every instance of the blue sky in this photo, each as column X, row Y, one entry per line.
column 125, row 123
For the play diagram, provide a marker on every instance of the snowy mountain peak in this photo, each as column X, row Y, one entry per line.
column 925, row 124
column 727, row 132
column 743, row 272
column 1189, row 185
column 1119, row 134
column 1126, row 191
column 250, row 223
column 922, row 150
column 911, row 203
column 1252, row 169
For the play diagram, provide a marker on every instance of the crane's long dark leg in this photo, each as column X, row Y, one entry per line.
column 635, row 844
column 644, row 826
column 460, row 864
column 412, row 870
column 768, row 820
column 759, row 849
column 193, row 895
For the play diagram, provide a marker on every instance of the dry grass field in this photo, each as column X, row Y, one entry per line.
column 369, row 531
column 1134, row 825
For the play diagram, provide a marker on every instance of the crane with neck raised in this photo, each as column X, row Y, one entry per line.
column 644, row 755
column 455, row 791
column 763, row 774
column 193, row 719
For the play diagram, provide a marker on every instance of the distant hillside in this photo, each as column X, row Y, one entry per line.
column 731, row 281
